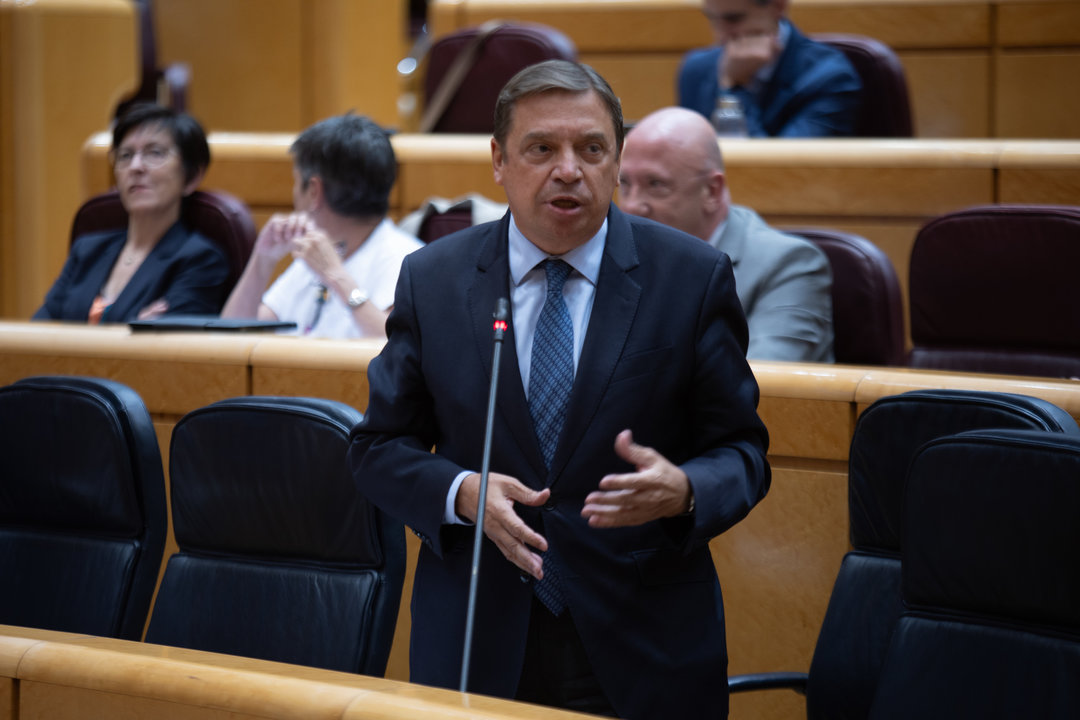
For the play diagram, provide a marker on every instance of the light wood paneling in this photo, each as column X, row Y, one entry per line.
column 643, row 82
column 246, row 70
column 761, row 560
column 287, row 63
column 64, row 66
column 1036, row 94
column 1027, row 23
column 950, row 93
column 900, row 25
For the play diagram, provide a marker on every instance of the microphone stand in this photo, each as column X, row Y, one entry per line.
column 502, row 315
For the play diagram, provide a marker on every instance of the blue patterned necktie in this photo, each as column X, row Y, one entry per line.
column 551, row 374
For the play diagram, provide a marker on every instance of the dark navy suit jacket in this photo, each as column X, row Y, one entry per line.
column 664, row 355
column 185, row 268
column 814, row 91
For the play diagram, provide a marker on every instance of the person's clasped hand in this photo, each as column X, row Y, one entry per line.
column 745, row 55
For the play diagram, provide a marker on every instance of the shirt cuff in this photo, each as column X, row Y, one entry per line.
column 450, row 516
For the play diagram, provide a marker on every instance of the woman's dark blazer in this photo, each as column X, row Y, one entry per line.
column 184, row 268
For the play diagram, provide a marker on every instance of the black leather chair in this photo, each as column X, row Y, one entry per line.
column 216, row 214
column 865, row 601
column 991, row 582
column 993, row 289
column 886, row 108
column 82, row 506
column 494, row 54
column 280, row 557
column 868, row 314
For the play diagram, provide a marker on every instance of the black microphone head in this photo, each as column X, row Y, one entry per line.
column 502, row 309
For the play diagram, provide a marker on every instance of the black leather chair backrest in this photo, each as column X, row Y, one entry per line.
column 991, row 581
column 993, row 289
column 865, row 601
column 885, row 110
column 82, row 506
column 280, row 556
column 216, row 214
column 868, row 313
column 510, row 48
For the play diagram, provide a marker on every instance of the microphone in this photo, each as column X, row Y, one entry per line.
column 502, row 316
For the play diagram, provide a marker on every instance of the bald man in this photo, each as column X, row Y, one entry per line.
column 672, row 172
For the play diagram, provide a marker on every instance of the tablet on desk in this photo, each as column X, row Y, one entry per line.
column 208, row 323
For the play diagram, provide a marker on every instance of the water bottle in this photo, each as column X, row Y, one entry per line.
column 728, row 119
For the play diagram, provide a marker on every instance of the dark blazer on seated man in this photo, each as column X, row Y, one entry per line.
column 184, row 268
column 812, row 92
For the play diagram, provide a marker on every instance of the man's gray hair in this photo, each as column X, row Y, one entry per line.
column 555, row 76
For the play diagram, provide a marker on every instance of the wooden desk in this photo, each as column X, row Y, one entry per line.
column 975, row 68
column 777, row 566
column 64, row 676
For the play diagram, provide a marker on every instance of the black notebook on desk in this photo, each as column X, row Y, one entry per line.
column 208, row 323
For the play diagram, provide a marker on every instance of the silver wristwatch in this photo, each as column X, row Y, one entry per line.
column 357, row 298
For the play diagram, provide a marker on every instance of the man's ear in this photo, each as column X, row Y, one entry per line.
column 715, row 191
column 315, row 193
column 496, row 160
column 190, row 185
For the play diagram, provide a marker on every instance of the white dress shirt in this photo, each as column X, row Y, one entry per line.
column 528, row 290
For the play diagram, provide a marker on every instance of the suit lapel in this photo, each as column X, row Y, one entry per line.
column 614, row 308
column 99, row 268
column 492, row 281
column 149, row 274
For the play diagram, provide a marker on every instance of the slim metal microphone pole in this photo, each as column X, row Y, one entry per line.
column 502, row 315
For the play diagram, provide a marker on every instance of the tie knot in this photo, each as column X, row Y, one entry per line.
column 557, row 272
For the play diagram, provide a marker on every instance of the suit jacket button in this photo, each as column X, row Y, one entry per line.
column 524, row 577
column 549, row 505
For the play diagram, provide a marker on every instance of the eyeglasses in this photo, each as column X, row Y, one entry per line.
column 153, row 156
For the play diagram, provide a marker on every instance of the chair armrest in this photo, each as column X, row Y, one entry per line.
column 768, row 681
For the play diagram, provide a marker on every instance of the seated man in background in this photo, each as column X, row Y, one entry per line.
column 672, row 171
column 347, row 254
column 787, row 84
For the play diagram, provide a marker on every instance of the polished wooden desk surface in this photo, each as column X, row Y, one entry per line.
column 67, row 676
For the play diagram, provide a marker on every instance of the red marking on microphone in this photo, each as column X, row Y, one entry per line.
column 500, row 325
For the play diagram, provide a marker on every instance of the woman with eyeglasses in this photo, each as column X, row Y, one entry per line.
column 155, row 266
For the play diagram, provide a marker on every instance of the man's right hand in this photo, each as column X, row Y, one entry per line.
column 502, row 525
column 743, row 56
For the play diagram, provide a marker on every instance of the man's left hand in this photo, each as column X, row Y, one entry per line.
column 656, row 489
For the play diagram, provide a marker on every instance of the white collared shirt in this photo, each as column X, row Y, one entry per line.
column 528, row 290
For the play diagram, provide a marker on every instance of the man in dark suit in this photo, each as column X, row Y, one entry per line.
column 625, row 435
column 787, row 84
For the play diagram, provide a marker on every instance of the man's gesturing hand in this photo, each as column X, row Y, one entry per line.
column 657, row 489
column 502, row 525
